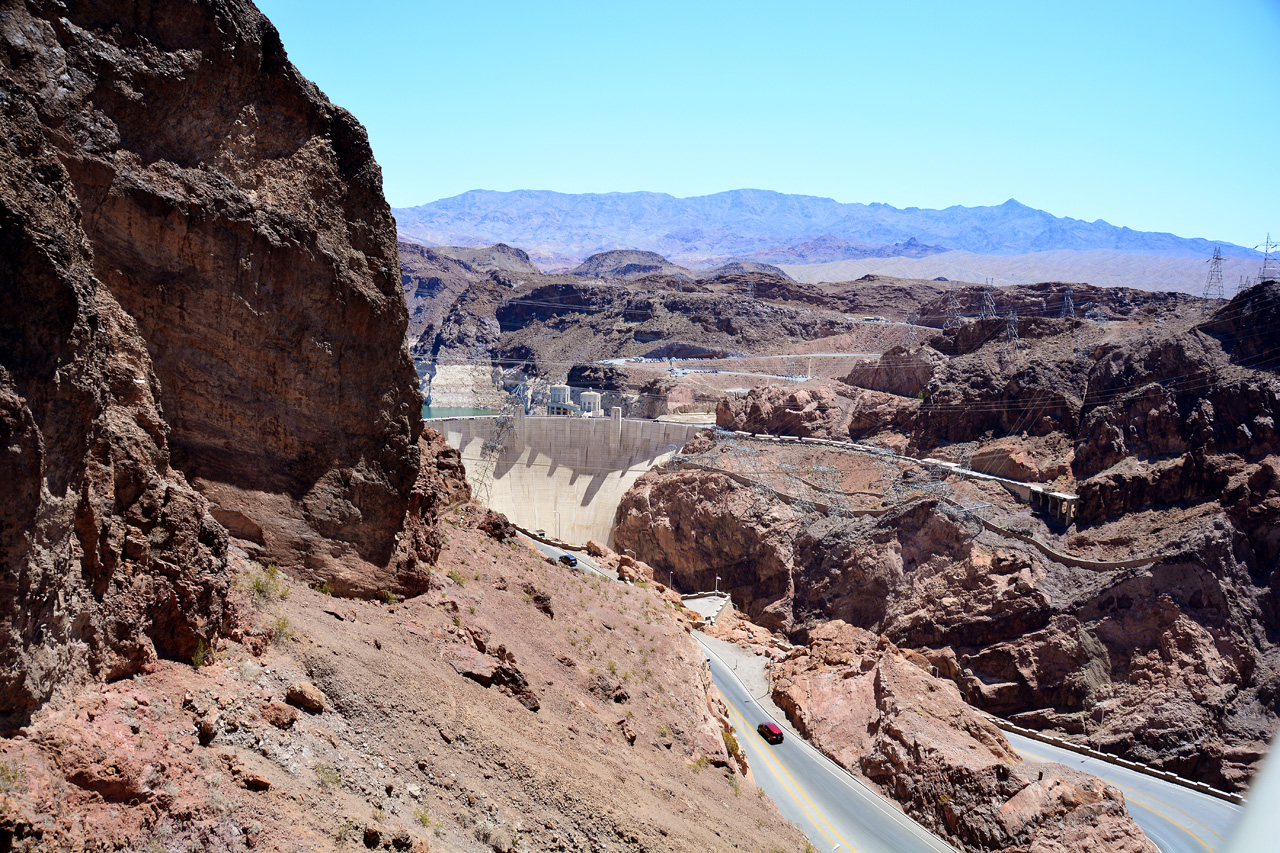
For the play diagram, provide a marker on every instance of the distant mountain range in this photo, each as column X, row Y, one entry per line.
column 559, row 229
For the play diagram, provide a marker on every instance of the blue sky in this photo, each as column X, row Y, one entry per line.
column 1158, row 116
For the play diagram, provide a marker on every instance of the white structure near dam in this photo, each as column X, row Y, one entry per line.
column 567, row 475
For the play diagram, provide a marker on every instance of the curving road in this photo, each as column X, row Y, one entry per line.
column 1176, row 819
column 584, row 562
column 836, row 811
column 832, row 807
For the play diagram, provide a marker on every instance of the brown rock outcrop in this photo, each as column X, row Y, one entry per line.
column 237, row 218
column 205, row 334
column 1164, row 663
column 875, row 412
column 306, row 696
column 809, row 410
column 873, row 709
column 901, row 370
column 108, row 558
column 699, row 524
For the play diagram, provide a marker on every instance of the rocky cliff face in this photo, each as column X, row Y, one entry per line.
column 202, row 281
column 1167, row 663
column 877, row 710
column 812, row 410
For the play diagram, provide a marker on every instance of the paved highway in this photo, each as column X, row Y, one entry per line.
column 833, row 809
column 1176, row 819
column 584, row 562
column 801, row 781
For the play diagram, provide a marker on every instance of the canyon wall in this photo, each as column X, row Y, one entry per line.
column 204, row 334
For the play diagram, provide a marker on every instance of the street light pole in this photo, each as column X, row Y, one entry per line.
column 717, row 583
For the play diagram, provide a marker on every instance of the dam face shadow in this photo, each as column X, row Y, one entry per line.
column 567, row 475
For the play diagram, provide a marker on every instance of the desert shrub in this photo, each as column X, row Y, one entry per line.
column 266, row 584
column 328, row 776
column 11, row 776
column 731, row 744
column 203, row 655
column 281, row 633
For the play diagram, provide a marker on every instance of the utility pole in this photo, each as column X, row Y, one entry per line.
column 1213, row 284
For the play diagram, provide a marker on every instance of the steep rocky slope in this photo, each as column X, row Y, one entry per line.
column 201, row 271
column 877, row 710
column 505, row 710
column 434, row 278
column 432, row 281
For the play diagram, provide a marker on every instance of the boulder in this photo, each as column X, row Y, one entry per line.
column 306, row 696
column 279, row 714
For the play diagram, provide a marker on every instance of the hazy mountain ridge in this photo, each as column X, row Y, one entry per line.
column 711, row 228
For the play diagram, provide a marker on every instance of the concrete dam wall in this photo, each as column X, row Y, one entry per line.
column 566, row 475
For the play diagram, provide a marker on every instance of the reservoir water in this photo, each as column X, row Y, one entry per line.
column 429, row 412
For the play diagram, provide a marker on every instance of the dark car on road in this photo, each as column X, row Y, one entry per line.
column 770, row 732
column 569, row 560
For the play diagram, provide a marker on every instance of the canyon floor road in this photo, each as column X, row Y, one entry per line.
column 831, row 807
column 1176, row 819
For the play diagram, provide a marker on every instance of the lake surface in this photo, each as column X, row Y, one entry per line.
column 429, row 412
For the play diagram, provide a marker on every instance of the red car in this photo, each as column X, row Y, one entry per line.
column 770, row 732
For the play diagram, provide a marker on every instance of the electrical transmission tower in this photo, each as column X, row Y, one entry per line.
column 1243, row 284
column 952, row 318
column 1270, row 270
column 751, row 289
column 798, row 490
column 1010, row 352
column 491, row 449
column 1213, row 284
column 1069, row 304
column 988, row 311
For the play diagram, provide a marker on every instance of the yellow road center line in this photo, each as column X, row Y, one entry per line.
column 1130, row 794
column 798, row 792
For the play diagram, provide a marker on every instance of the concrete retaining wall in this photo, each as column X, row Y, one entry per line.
column 1119, row 762
column 567, row 475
